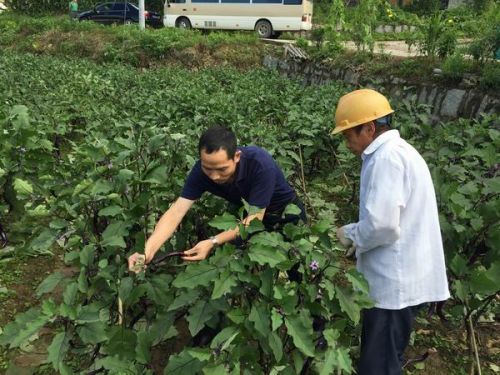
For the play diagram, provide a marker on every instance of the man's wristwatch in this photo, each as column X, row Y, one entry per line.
column 214, row 241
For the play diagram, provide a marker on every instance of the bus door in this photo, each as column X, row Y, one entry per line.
column 174, row 9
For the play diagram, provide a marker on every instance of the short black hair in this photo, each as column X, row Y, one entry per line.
column 216, row 138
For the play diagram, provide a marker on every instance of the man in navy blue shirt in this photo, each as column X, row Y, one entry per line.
column 248, row 173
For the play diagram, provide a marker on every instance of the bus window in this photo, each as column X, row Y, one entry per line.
column 205, row 1
column 267, row 1
column 235, row 1
column 292, row 2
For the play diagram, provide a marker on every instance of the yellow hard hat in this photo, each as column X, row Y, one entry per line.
column 359, row 107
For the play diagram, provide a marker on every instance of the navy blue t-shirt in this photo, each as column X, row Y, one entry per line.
column 258, row 180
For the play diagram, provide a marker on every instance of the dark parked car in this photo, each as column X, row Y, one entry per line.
column 124, row 13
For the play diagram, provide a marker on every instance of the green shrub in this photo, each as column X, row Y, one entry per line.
column 480, row 5
column 431, row 31
column 58, row 35
column 302, row 43
column 447, row 43
column 215, row 38
column 389, row 14
column 454, row 68
column 363, row 24
column 490, row 76
column 424, row 7
column 318, row 36
column 476, row 49
column 487, row 38
column 408, row 67
column 8, row 25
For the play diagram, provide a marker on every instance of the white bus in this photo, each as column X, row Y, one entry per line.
column 267, row 17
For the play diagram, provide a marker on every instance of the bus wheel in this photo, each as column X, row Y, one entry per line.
column 264, row 29
column 183, row 23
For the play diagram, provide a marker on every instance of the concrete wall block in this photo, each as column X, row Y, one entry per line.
column 470, row 105
column 494, row 107
column 451, row 103
column 483, row 105
column 436, row 105
column 422, row 95
column 432, row 96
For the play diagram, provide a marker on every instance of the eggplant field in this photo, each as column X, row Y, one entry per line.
column 91, row 156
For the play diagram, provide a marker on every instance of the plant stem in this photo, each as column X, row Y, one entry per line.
column 472, row 337
column 303, row 180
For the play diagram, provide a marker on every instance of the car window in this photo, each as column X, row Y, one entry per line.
column 104, row 7
column 119, row 6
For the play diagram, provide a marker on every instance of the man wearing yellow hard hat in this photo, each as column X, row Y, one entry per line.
column 397, row 240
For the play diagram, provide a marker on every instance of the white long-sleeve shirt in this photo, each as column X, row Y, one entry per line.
column 398, row 240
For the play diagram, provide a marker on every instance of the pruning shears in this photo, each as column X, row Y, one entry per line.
column 155, row 263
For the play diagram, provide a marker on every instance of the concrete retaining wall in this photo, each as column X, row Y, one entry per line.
column 445, row 103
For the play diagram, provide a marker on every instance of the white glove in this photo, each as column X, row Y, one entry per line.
column 346, row 242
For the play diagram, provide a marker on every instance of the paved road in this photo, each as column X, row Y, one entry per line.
column 393, row 47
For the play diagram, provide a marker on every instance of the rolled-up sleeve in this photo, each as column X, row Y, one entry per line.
column 381, row 202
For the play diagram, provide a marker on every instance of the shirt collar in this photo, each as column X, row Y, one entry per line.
column 379, row 141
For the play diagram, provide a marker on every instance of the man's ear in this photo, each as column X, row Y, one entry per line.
column 237, row 156
column 370, row 128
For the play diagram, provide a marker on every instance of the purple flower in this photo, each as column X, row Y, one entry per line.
column 314, row 265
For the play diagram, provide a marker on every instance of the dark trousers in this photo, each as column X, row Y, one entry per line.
column 384, row 337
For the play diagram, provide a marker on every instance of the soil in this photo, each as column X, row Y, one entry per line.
column 24, row 277
column 21, row 277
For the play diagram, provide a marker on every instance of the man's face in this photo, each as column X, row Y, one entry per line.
column 358, row 142
column 218, row 167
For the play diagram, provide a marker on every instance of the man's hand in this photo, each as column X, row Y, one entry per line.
column 200, row 251
column 346, row 243
column 136, row 262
